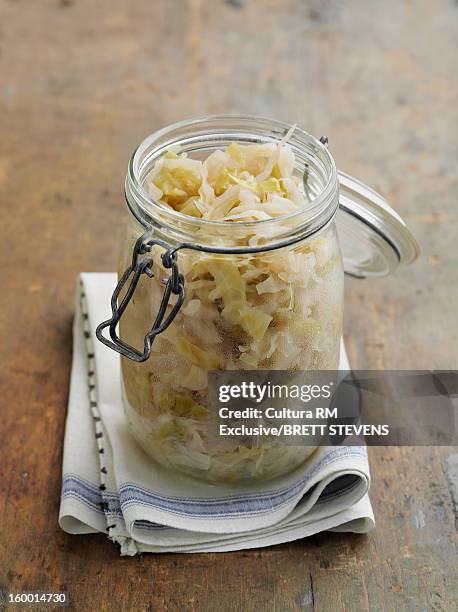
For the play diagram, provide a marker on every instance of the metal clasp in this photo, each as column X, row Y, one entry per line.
column 174, row 284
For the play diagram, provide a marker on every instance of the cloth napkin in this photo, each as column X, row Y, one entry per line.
column 110, row 485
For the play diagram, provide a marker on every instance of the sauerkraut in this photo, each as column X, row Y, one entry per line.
column 278, row 310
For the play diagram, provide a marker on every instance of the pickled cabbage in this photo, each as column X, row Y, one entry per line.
column 243, row 182
column 279, row 310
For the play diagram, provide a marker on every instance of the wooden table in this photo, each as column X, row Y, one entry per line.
column 81, row 83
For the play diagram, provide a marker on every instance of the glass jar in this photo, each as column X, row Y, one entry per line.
column 213, row 295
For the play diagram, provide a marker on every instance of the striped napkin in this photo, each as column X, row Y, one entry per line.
column 110, row 485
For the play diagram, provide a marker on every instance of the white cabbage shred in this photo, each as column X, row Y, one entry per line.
column 279, row 310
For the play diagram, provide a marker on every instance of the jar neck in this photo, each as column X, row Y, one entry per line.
column 199, row 138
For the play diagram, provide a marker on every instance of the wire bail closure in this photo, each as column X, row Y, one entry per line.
column 139, row 266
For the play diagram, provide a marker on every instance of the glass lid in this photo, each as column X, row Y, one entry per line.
column 373, row 237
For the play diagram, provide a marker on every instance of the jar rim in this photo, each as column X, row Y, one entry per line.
column 318, row 214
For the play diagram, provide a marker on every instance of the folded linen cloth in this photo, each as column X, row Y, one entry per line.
column 110, row 485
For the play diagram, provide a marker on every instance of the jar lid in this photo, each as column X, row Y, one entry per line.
column 373, row 237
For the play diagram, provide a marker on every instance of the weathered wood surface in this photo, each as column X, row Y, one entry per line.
column 81, row 83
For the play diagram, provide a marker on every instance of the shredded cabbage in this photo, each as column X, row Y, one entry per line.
column 241, row 183
column 272, row 310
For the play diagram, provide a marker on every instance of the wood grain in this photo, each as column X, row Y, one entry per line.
column 81, row 83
